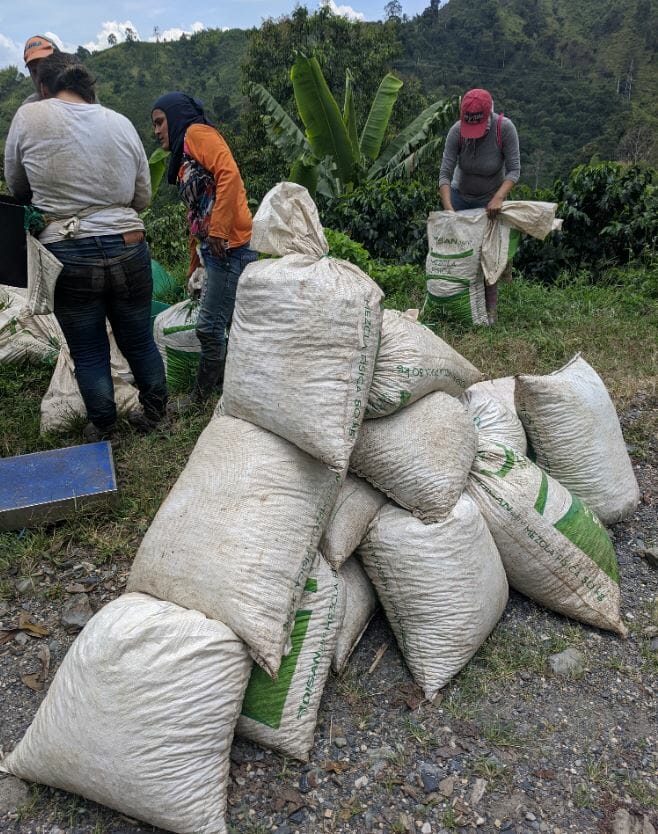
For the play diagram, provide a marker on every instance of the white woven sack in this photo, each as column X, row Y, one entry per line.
column 493, row 419
column 442, row 586
column 304, row 335
column 574, row 430
column 412, row 362
column 282, row 714
column 555, row 550
column 420, row 456
column 502, row 388
column 22, row 335
column 355, row 508
column 63, row 402
column 455, row 284
column 174, row 332
column 140, row 716
column 238, row 533
column 43, row 270
column 360, row 606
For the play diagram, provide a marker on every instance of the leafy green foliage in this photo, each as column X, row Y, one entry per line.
column 167, row 235
column 610, row 214
column 330, row 142
column 388, row 218
column 158, row 162
column 403, row 285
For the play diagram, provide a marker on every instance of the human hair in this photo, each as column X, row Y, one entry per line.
column 63, row 71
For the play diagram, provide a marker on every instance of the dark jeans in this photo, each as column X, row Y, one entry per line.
column 218, row 298
column 103, row 278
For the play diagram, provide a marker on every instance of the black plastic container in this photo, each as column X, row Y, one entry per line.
column 13, row 251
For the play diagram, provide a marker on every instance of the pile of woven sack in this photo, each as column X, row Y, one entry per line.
column 355, row 457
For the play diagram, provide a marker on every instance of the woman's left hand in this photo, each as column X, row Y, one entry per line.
column 217, row 245
column 494, row 206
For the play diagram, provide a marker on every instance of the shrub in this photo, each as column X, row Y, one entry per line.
column 403, row 284
column 388, row 218
column 167, row 235
column 610, row 214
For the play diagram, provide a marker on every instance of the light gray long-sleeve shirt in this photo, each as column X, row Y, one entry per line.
column 478, row 169
column 78, row 158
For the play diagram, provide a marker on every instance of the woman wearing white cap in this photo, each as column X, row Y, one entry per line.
column 481, row 162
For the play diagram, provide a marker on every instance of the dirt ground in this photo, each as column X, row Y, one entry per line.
column 510, row 746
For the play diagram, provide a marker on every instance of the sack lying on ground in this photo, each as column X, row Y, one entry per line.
column 63, row 401
column 502, row 388
column 420, row 456
column 282, row 714
column 355, row 508
column 412, row 362
column 304, row 335
column 555, row 550
column 174, row 331
column 575, row 433
column 442, row 586
column 140, row 716
column 455, row 285
column 238, row 533
column 359, row 606
column 493, row 420
column 25, row 337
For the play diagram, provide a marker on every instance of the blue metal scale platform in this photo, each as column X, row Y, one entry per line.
column 52, row 485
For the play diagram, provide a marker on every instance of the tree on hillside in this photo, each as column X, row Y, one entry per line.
column 331, row 156
column 369, row 49
column 111, row 39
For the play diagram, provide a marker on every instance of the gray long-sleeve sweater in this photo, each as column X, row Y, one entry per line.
column 478, row 170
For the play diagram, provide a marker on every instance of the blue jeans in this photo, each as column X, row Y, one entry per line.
column 103, row 278
column 461, row 204
column 218, row 298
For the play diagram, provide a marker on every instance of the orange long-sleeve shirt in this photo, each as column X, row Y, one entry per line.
column 230, row 218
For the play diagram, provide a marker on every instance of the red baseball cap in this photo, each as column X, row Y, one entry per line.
column 38, row 46
column 476, row 107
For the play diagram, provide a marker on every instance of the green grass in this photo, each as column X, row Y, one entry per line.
column 539, row 329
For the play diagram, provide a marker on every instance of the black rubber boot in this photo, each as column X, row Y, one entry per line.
column 209, row 378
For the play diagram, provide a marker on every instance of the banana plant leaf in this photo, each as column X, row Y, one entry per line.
column 404, row 169
column 374, row 130
column 439, row 115
column 281, row 129
column 349, row 115
column 325, row 130
column 158, row 162
column 305, row 171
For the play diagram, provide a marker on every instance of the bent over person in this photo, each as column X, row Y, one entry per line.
column 210, row 185
column 86, row 170
column 481, row 163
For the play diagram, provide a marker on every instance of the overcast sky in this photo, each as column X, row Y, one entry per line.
column 80, row 22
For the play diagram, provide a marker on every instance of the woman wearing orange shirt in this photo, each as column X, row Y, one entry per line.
column 210, row 185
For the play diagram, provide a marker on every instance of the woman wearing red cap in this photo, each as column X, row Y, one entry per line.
column 481, row 162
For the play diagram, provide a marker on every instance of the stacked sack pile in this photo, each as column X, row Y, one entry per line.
column 246, row 588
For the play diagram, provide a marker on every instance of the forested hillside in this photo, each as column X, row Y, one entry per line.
column 579, row 79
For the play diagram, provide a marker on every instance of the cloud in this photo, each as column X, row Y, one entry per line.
column 11, row 52
column 175, row 33
column 118, row 30
column 343, row 11
column 108, row 28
